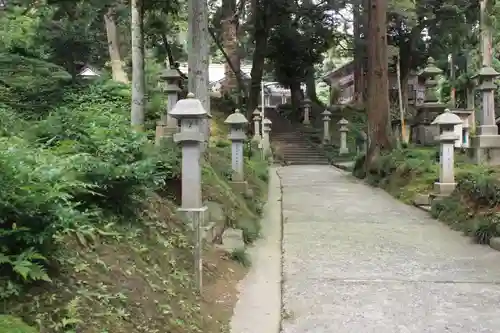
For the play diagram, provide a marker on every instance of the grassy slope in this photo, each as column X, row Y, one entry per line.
column 139, row 278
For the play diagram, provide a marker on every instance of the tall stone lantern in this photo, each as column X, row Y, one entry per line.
column 446, row 122
column 266, row 142
column 171, row 79
column 237, row 123
column 190, row 113
column 428, row 106
column 256, row 125
column 487, row 143
column 326, row 126
column 307, row 111
column 343, row 129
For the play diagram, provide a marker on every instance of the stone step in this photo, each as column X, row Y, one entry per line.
column 306, row 162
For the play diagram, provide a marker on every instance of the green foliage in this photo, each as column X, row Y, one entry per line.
column 404, row 172
column 73, row 167
column 10, row 324
column 30, row 86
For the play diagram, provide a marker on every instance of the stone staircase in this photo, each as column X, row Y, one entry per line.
column 291, row 144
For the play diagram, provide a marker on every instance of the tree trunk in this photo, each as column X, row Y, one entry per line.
column 296, row 97
column 311, row 84
column 230, row 44
column 198, row 56
column 168, row 50
column 117, row 71
column 358, row 54
column 378, row 98
column 138, row 78
column 364, row 50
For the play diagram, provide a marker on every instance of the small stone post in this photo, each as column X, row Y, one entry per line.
column 190, row 113
column 307, row 110
column 256, row 125
column 326, row 126
column 266, row 129
column 237, row 122
column 446, row 122
column 362, row 145
column 343, row 136
column 167, row 125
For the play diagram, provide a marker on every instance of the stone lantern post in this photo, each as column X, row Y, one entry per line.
column 237, row 122
column 190, row 113
column 487, row 143
column 343, row 136
column 326, row 126
column 446, row 122
column 266, row 129
column 307, row 111
column 167, row 125
column 256, row 125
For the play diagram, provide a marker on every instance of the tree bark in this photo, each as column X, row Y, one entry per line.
column 168, row 50
column 358, row 53
column 296, row 97
column 138, row 79
column 378, row 98
column 261, row 33
column 198, row 56
column 117, row 71
column 230, row 45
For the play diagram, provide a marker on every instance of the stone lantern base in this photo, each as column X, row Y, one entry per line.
column 486, row 149
column 239, row 186
column 444, row 189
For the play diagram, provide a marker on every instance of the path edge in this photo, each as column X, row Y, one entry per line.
column 259, row 305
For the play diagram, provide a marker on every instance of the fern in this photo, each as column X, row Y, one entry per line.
column 26, row 265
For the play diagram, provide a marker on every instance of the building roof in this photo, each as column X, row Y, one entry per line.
column 89, row 71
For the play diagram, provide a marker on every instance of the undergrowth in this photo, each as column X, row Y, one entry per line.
column 89, row 241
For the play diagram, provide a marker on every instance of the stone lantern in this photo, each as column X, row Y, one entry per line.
column 343, row 136
column 256, row 125
column 190, row 113
column 428, row 106
column 429, row 76
column 326, row 126
column 170, row 79
column 307, row 111
column 487, row 142
column 362, row 143
column 266, row 129
column 237, row 122
column 446, row 122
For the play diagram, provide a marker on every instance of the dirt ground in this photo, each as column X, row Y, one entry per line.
column 220, row 291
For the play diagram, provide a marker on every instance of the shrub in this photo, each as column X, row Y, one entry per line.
column 121, row 164
column 36, row 201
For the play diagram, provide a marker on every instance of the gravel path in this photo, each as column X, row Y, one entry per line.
column 356, row 260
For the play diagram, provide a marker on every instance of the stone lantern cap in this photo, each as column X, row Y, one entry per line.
column 487, row 72
column 236, row 118
column 343, row 122
column 170, row 74
column 326, row 113
column 307, row 102
column 267, row 124
column 188, row 108
column 256, row 114
column 447, row 118
column 430, row 70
